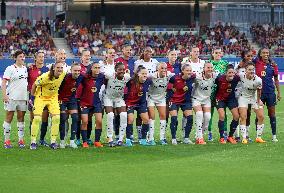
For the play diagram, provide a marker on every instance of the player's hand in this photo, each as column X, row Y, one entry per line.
column 32, row 100
column 5, row 99
column 260, row 103
column 278, row 96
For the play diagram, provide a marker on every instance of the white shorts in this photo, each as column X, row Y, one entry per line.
column 156, row 102
column 244, row 102
column 14, row 105
column 115, row 103
column 204, row 103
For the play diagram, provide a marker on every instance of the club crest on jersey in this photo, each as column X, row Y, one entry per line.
column 140, row 93
column 229, row 90
column 185, row 88
column 263, row 73
column 174, row 89
column 127, row 71
column 73, row 89
column 39, row 72
column 94, row 89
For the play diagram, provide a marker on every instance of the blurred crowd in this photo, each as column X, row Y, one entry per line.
column 22, row 34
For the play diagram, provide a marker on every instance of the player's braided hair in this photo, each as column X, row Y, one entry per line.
column 117, row 65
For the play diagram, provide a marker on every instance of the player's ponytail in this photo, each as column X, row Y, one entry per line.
column 51, row 71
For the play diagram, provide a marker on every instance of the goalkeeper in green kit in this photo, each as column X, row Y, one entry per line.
column 220, row 67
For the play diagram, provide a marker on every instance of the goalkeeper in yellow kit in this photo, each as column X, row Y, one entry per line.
column 45, row 94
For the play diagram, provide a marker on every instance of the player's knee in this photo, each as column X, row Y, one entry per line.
column 110, row 116
column 37, row 119
column 74, row 117
column 207, row 116
column 55, row 119
column 63, row 117
column 173, row 119
column 199, row 115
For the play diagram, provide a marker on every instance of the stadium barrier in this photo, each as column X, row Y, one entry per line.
column 6, row 62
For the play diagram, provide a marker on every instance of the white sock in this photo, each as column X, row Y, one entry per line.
column 123, row 124
column 199, row 123
column 7, row 130
column 259, row 130
column 72, row 141
column 151, row 129
column 163, row 125
column 21, row 127
column 110, row 118
column 274, row 137
column 62, row 142
column 243, row 130
column 183, row 124
column 206, row 119
column 237, row 132
column 248, row 127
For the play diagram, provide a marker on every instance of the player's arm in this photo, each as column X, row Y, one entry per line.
column 276, row 82
column 4, row 88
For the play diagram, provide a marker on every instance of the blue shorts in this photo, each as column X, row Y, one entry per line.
column 68, row 106
column 231, row 104
column 91, row 110
column 269, row 99
column 140, row 109
column 183, row 107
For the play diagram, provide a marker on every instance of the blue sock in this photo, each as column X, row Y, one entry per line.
column 129, row 127
column 221, row 128
column 173, row 126
column 78, row 128
column 74, row 125
column 233, row 127
column 273, row 124
column 145, row 129
column 84, row 135
column 89, row 129
column 63, row 117
column 43, row 130
column 188, row 126
column 98, row 133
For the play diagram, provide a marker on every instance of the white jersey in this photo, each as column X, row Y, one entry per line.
column 151, row 66
column 66, row 68
column 115, row 88
column 197, row 67
column 249, row 87
column 107, row 69
column 203, row 87
column 240, row 71
column 157, row 89
column 17, row 87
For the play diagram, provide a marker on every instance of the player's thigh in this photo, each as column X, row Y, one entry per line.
column 108, row 109
column 53, row 107
column 39, row 105
column 221, row 113
column 21, row 116
column 259, row 114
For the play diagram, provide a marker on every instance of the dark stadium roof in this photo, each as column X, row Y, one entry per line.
column 156, row 1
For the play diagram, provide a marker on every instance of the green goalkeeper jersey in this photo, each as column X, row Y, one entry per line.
column 220, row 67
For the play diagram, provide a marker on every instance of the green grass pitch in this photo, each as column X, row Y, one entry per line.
column 159, row 169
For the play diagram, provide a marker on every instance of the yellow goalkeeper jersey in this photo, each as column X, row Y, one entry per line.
column 48, row 88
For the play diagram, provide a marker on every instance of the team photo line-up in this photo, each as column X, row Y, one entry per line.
column 117, row 87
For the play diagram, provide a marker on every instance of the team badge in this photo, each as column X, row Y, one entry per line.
column 185, row 88
column 127, row 71
column 174, row 89
column 94, row 89
column 229, row 90
column 263, row 73
column 140, row 93
column 39, row 72
column 73, row 89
